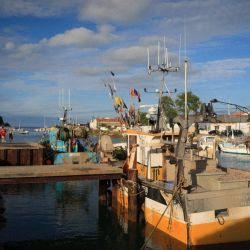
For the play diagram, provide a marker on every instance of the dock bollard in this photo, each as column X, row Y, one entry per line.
column 132, row 195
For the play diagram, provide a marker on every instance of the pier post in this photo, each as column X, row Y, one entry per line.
column 114, row 194
column 132, row 195
column 103, row 191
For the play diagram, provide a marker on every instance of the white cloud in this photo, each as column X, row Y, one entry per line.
column 9, row 45
column 221, row 69
column 82, row 37
column 130, row 55
column 80, row 57
column 38, row 8
column 115, row 10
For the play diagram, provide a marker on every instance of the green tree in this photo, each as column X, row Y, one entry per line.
column 1, row 121
column 143, row 119
column 193, row 102
column 168, row 107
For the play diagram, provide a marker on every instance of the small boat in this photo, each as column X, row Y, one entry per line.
column 122, row 145
column 20, row 130
column 231, row 148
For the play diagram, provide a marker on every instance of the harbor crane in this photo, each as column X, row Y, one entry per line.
column 239, row 107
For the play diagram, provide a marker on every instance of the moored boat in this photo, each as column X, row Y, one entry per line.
column 231, row 148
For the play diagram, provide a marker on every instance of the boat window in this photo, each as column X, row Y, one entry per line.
column 210, row 139
column 221, row 212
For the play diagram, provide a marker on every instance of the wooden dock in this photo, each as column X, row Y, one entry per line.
column 21, row 154
column 54, row 173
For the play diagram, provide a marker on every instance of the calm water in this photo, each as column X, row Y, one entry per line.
column 67, row 215
column 31, row 137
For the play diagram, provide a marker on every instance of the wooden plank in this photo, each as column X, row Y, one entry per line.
column 25, row 157
column 45, row 173
column 12, row 157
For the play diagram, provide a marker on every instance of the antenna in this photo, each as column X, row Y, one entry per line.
column 69, row 98
column 180, row 52
column 158, row 53
column 148, row 59
column 62, row 96
column 185, row 40
column 165, row 67
column 166, row 54
column 164, row 49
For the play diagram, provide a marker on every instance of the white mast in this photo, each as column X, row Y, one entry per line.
column 185, row 89
column 185, row 74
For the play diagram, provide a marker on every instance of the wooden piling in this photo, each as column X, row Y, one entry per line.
column 103, row 191
column 114, row 193
column 21, row 154
column 132, row 195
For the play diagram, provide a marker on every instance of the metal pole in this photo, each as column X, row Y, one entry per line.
column 185, row 89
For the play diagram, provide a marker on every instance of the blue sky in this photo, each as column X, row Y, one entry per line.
column 46, row 46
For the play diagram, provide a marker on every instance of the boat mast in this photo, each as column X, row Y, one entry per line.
column 165, row 67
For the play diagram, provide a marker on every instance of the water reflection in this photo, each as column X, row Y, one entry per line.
column 64, row 215
column 67, row 215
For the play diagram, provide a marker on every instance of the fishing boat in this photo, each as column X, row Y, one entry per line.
column 228, row 147
column 182, row 193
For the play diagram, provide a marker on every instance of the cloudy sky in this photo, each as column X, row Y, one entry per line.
column 47, row 46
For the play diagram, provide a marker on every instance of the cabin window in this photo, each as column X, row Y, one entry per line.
column 221, row 212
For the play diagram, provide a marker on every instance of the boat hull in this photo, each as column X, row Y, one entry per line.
column 241, row 149
column 203, row 228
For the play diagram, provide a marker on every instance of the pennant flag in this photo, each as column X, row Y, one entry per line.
column 134, row 92
column 124, row 105
column 131, row 110
column 111, row 90
column 114, row 88
column 118, row 101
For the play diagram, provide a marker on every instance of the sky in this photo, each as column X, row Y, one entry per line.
column 49, row 47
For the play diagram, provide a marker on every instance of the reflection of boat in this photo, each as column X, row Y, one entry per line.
column 231, row 148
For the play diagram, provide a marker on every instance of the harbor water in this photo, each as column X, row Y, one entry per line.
column 68, row 215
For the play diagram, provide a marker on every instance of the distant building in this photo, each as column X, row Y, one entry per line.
column 112, row 123
column 235, row 121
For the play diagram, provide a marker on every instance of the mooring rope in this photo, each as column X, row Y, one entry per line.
column 167, row 205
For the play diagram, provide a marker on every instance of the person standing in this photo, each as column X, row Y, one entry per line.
column 2, row 134
column 10, row 136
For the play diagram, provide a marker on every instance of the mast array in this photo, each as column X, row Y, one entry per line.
column 163, row 67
